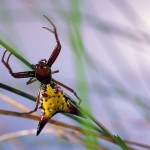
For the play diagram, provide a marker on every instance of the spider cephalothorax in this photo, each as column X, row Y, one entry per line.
column 43, row 72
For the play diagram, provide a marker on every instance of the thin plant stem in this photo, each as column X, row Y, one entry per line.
column 74, row 128
column 11, row 50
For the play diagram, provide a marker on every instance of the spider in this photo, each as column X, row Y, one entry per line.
column 42, row 71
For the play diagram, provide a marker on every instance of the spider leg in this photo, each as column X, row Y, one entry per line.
column 31, row 80
column 25, row 74
column 56, row 71
column 57, row 49
column 68, row 88
column 36, row 105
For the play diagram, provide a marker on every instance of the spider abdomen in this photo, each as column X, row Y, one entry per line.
column 53, row 100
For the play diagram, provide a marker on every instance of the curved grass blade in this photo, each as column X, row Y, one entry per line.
column 16, row 91
column 11, row 50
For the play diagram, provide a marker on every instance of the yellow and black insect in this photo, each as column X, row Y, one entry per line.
column 51, row 97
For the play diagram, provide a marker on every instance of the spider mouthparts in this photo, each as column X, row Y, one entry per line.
column 42, row 123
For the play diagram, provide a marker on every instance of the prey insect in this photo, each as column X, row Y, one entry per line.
column 51, row 97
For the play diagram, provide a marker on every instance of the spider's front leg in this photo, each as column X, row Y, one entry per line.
column 57, row 49
column 25, row 74
column 36, row 105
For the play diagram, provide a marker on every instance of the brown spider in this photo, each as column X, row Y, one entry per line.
column 41, row 71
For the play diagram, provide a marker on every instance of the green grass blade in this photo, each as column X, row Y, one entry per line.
column 16, row 91
column 77, row 49
column 11, row 50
